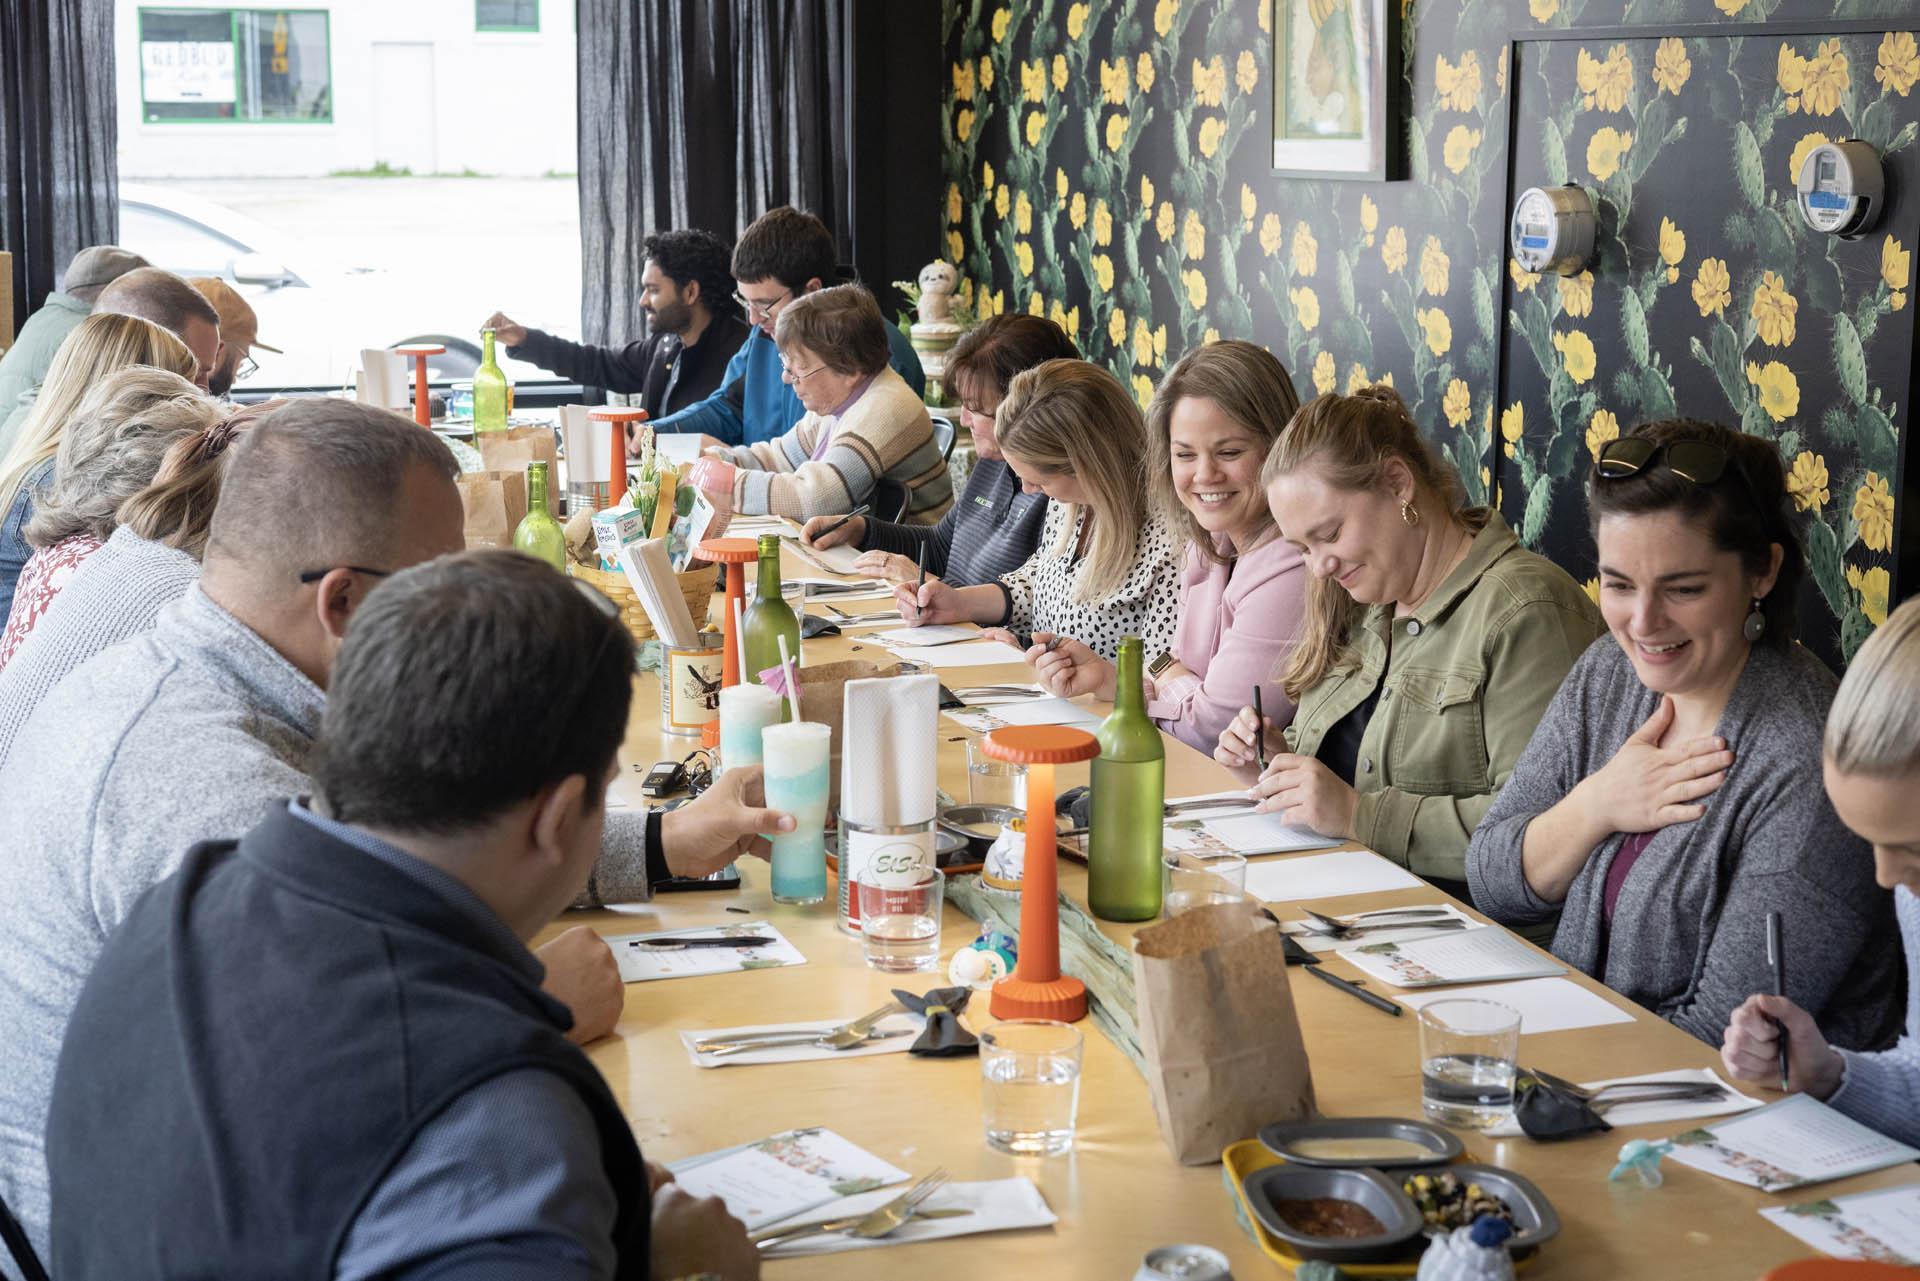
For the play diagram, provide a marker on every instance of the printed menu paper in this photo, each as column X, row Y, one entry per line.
column 1544, row 1005
column 643, row 964
column 1033, row 711
column 1470, row 956
column 1290, row 880
column 785, row 1175
column 929, row 634
column 1240, row 833
column 1788, row 1144
column 1880, row 1227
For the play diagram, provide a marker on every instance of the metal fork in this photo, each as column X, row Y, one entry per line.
column 875, row 1223
column 1366, row 920
column 862, row 1025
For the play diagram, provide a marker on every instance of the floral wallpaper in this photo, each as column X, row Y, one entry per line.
column 1108, row 165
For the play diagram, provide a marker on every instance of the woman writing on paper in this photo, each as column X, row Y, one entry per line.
column 994, row 526
column 1105, row 566
column 1432, row 643
column 1211, row 424
column 1667, row 802
column 863, row 423
column 1872, row 767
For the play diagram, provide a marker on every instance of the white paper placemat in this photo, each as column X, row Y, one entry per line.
column 998, row 1205
column 1544, row 1005
column 1031, row 711
column 905, row 1025
column 1482, row 955
column 642, row 965
column 1650, row 1113
column 1289, row 880
column 973, row 654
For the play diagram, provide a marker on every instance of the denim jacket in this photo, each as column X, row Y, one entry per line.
column 1463, row 680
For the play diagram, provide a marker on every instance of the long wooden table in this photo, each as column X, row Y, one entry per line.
column 1119, row 1193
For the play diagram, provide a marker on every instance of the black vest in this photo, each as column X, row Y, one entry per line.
column 260, row 1042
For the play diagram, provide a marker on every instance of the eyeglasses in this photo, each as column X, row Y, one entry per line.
column 245, row 369
column 315, row 575
column 754, row 309
column 792, row 375
column 1697, row 461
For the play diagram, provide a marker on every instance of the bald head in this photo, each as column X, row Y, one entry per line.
column 321, row 484
column 167, row 300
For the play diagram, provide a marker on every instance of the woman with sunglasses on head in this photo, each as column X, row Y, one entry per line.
column 1872, row 768
column 1432, row 640
column 1668, row 801
column 863, row 423
column 993, row 526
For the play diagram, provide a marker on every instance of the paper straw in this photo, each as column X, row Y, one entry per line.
column 740, row 640
column 792, row 674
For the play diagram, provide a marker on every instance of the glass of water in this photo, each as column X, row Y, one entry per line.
column 1467, row 1055
column 994, row 782
column 1030, row 1085
column 900, row 922
column 1189, row 880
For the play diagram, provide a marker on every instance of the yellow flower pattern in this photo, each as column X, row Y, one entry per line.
column 1023, row 254
column 1324, row 373
column 1801, row 150
column 1779, row 389
column 1576, row 293
column 1607, row 83
column 1117, row 124
column 1773, row 310
column 1143, row 72
column 1577, row 355
column 1458, row 149
column 1437, row 328
column 1457, row 403
column 955, row 210
column 1246, row 71
column 1874, row 585
column 1077, row 210
column 1113, row 81
column 1002, row 201
column 1458, row 85
column 1898, row 64
column 1001, row 18
column 1163, row 15
column 1712, row 287
column 1393, row 250
column 1433, row 267
column 1212, row 130
column 1270, row 235
column 1306, row 251
column 1249, row 206
column 1102, row 223
column 1058, row 71
column 1117, row 327
column 1671, row 65
column 963, row 123
column 1306, row 306
column 1193, row 236
column 1601, row 428
column 1209, row 81
column 1023, row 215
column 1369, row 217
column 1513, row 422
column 1543, row 10
column 1103, row 272
column 1873, row 513
column 1807, row 482
column 1196, row 282
column 1896, row 264
column 1605, row 150
column 1523, row 280
column 1076, row 20
column 1673, row 248
column 963, row 80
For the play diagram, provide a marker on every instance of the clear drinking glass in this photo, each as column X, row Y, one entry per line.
column 1188, row 880
column 1030, row 1085
column 1467, row 1054
column 900, row 923
column 797, row 780
column 993, row 782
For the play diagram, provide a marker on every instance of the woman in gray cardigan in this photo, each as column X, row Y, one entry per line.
column 1670, row 798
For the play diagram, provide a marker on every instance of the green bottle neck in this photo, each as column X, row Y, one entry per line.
column 769, row 567
column 1128, row 697
column 486, row 349
column 537, row 488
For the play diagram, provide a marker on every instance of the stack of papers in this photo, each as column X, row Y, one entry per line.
column 644, row 964
column 786, row 1175
column 1881, row 1227
column 1470, row 956
column 1033, row 711
column 1788, row 1144
column 1291, row 880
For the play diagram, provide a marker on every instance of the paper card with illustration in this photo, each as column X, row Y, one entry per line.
column 1879, row 1227
column 788, row 1174
column 1445, row 919
column 835, row 560
column 1788, row 1144
column 1469, row 956
column 642, row 964
column 1241, row 833
column 925, row 634
column 1038, row 711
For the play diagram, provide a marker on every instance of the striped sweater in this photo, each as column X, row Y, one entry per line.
column 886, row 433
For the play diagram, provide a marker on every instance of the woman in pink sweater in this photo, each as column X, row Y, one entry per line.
column 1210, row 425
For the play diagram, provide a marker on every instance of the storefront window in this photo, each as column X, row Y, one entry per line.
column 240, row 65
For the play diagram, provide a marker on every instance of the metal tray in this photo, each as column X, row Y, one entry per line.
column 1373, row 1191
column 1535, row 1222
column 1442, row 1145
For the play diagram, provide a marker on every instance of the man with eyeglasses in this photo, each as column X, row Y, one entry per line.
column 239, row 335
column 784, row 254
column 196, row 730
column 693, row 329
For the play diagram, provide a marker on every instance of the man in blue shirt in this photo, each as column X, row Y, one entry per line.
column 784, row 254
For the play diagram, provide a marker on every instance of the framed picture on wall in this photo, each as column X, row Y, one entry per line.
column 1337, row 99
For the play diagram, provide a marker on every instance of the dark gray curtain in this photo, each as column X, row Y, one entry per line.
column 59, row 184
column 702, row 113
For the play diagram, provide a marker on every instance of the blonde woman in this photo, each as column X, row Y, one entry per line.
column 112, row 448
column 1433, row 641
column 1872, row 767
column 98, row 346
column 1214, row 418
column 1105, row 566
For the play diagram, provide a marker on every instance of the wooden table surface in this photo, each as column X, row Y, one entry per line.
column 1119, row 1193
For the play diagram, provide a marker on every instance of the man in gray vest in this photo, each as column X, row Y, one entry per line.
column 322, row 1050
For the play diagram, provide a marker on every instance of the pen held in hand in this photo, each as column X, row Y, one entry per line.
column 1260, row 735
column 1777, row 960
column 861, row 510
column 1377, row 1001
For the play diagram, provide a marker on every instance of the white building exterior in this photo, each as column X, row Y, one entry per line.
column 411, row 84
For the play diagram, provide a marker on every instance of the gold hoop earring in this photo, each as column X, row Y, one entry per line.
column 1409, row 513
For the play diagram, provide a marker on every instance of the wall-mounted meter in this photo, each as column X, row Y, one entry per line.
column 1553, row 229
column 1842, row 188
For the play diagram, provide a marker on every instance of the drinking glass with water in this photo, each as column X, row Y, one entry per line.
column 1467, row 1054
column 1190, row 880
column 994, row 782
column 1030, row 1085
column 900, row 922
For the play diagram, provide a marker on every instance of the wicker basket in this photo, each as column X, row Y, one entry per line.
column 696, row 586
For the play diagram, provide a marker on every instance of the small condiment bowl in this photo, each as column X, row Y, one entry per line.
column 1373, row 1191
column 1441, row 1145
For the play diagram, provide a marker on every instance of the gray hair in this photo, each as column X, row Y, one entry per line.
column 317, row 482
column 112, row 448
column 841, row 324
column 1874, row 726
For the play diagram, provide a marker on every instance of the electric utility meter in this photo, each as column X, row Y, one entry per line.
column 1841, row 188
column 1553, row 229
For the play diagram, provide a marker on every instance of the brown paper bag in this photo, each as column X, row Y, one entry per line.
column 495, row 503
column 1217, row 1029
column 512, row 449
column 823, row 699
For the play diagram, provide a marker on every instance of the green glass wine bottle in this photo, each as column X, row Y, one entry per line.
column 538, row 533
column 489, row 392
column 1129, row 796
column 769, row 618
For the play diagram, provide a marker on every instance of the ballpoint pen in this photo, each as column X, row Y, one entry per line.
column 861, row 510
column 669, row 943
column 1353, row 989
column 921, row 561
column 1260, row 737
column 1777, row 958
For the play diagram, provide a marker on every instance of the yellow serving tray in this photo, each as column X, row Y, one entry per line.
column 1243, row 1158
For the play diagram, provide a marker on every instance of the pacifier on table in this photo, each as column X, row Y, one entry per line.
column 983, row 962
column 1641, row 1159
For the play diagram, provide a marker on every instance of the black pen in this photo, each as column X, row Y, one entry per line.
column 1777, row 958
column 1353, row 989
column 861, row 510
column 1260, row 737
column 921, row 561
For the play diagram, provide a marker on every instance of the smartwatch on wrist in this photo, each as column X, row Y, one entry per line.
column 1161, row 662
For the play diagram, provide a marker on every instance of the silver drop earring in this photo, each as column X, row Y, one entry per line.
column 1756, row 624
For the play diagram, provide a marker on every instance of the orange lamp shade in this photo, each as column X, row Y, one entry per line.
column 418, row 353
column 619, row 416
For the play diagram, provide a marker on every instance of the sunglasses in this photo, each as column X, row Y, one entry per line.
column 1694, row 460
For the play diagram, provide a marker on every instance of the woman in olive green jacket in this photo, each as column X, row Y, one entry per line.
column 1431, row 646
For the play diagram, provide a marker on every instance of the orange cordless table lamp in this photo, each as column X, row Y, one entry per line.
column 418, row 353
column 736, row 554
column 619, row 416
column 1036, row 989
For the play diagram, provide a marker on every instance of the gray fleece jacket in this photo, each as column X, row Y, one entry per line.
column 190, row 733
column 1688, row 939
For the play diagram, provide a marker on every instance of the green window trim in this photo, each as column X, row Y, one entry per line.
column 149, row 117
column 509, row 28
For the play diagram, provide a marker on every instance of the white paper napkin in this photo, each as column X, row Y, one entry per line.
column 909, row 1024
column 589, row 446
column 383, row 378
column 1649, row 1113
column 650, row 574
column 998, row 1205
column 889, row 737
